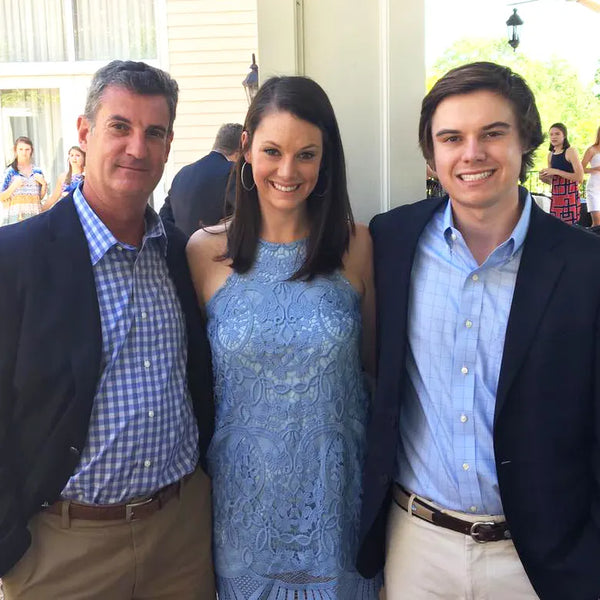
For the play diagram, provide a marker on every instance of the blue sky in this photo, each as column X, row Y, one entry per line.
column 560, row 27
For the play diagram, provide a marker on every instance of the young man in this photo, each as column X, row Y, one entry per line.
column 483, row 448
column 105, row 386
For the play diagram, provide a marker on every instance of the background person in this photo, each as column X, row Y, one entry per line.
column 70, row 179
column 565, row 174
column 287, row 288
column 591, row 165
column 24, row 185
column 199, row 195
column 105, row 387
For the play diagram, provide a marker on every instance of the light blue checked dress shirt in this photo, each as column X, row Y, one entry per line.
column 142, row 434
column 457, row 318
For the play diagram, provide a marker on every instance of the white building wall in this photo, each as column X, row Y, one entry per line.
column 210, row 46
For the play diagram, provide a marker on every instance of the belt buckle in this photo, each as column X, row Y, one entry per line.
column 474, row 531
column 130, row 508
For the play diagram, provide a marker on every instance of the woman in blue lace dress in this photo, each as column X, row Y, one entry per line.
column 287, row 289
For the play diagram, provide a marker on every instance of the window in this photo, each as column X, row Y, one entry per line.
column 35, row 114
column 105, row 29
column 32, row 31
column 68, row 30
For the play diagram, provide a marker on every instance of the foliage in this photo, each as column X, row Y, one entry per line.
column 560, row 96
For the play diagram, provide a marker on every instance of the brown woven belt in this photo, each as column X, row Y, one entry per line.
column 130, row 511
column 480, row 531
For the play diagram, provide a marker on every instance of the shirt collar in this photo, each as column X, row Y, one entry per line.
column 516, row 238
column 100, row 239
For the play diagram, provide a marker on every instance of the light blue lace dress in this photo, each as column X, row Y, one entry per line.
column 286, row 457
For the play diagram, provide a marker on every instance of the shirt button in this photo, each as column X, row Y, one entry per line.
column 119, row 248
column 475, row 277
column 464, row 418
column 147, row 463
column 144, row 314
column 468, row 324
column 473, row 509
column 464, row 370
column 147, row 364
column 465, row 466
column 453, row 237
column 150, row 413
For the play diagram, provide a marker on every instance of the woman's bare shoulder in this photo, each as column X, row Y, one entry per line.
column 209, row 240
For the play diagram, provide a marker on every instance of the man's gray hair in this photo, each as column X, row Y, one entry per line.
column 228, row 138
column 137, row 77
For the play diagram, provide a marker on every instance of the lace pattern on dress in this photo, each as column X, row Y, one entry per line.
column 287, row 453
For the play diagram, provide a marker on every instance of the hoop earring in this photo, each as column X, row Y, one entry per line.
column 247, row 188
column 320, row 194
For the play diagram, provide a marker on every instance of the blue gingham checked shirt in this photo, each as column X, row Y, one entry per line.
column 457, row 318
column 142, row 434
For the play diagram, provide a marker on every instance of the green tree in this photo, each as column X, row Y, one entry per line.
column 560, row 95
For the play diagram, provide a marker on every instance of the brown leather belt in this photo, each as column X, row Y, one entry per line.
column 130, row 511
column 480, row 531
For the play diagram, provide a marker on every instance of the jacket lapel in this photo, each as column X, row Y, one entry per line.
column 540, row 268
column 68, row 259
column 394, row 256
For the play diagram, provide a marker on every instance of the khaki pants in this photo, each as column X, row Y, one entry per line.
column 166, row 556
column 426, row 561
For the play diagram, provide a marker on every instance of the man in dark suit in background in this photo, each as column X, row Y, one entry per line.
column 105, row 383
column 483, row 455
column 199, row 195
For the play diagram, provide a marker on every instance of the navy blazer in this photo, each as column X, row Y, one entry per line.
column 50, row 351
column 547, row 416
column 199, row 194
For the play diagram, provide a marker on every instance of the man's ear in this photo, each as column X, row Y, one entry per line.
column 83, row 129
column 168, row 145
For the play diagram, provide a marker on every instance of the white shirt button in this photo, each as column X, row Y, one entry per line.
column 464, row 418
column 473, row 509
column 468, row 324
column 465, row 466
column 120, row 248
column 464, row 370
column 147, row 364
column 147, row 463
column 144, row 314
column 475, row 277
column 453, row 237
column 150, row 413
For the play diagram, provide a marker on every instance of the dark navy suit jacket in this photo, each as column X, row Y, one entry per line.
column 50, row 350
column 198, row 194
column 547, row 416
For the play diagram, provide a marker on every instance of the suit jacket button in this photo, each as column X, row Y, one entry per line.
column 384, row 479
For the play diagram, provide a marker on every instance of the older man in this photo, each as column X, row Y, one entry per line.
column 105, row 393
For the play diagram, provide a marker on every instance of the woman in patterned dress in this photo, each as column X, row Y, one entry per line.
column 69, row 180
column 565, row 173
column 287, row 288
column 23, row 187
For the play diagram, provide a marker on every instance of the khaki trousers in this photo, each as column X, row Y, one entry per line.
column 426, row 561
column 166, row 556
